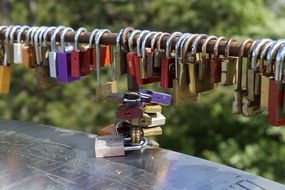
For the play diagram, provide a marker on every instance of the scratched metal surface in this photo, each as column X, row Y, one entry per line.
column 37, row 157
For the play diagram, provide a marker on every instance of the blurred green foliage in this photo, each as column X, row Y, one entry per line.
column 206, row 128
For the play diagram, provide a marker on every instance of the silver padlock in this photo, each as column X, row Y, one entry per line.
column 157, row 119
column 18, row 59
column 52, row 53
column 108, row 146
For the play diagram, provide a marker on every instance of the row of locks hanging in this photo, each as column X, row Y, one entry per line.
column 186, row 70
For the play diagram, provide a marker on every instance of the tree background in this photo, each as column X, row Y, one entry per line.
column 206, row 128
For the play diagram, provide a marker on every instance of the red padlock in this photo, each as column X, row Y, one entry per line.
column 168, row 63
column 216, row 63
column 276, row 92
column 128, row 113
column 76, row 55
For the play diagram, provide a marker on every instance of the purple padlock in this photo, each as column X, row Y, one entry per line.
column 63, row 60
column 64, row 67
column 157, row 97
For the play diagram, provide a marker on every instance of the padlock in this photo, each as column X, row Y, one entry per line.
column 143, row 121
column 152, row 108
column 256, row 65
column 157, row 119
column 43, row 78
column 181, row 68
column 52, row 53
column 251, row 102
column 153, row 131
column 64, row 68
column 129, row 112
column 121, row 53
column 182, row 95
column 167, row 72
column 5, row 69
column 168, row 63
column 18, row 59
column 270, row 51
column 45, row 47
column 196, row 85
column 76, row 55
column 216, row 63
column 159, row 53
column 265, row 77
column 109, row 145
column 157, row 97
column 140, row 61
column 148, row 57
column 205, row 63
column 249, row 107
column 40, row 49
column 154, row 57
column 237, row 107
column 5, row 78
column 88, row 62
column 229, row 72
column 276, row 92
column 28, row 51
column 131, row 63
column 102, row 91
column 252, row 74
column 10, row 45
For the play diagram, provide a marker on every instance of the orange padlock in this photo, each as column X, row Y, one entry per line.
column 29, row 56
column 28, row 50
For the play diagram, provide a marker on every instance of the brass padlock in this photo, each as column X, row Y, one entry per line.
column 197, row 85
column 270, row 50
column 153, row 131
column 239, row 91
column 44, row 81
column 152, row 108
column 251, row 106
column 229, row 64
column 28, row 51
column 120, row 54
column 181, row 82
column 102, row 91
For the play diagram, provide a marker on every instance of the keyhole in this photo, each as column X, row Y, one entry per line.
column 128, row 114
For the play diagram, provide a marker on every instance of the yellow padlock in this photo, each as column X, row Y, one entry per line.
column 5, row 78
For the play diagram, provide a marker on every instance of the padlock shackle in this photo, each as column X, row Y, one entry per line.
column 62, row 36
column 151, row 34
column 159, row 41
column 77, row 34
column 279, row 64
column 36, row 43
column 53, row 42
column 185, row 47
column 240, row 62
column 216, row 46
column 49, row 29
column 195, row 45
column 138, row 41
column 98, row 58
column 263, row 55
column 131, row 39
column 153, row 40
column 205, row 44
column 178, row 50
column 256, row 53
column 23, row 28
column 169, row 43
column 271, row 55
column 228, row 47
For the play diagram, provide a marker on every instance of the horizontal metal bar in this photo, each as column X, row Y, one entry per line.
column 110, row 39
